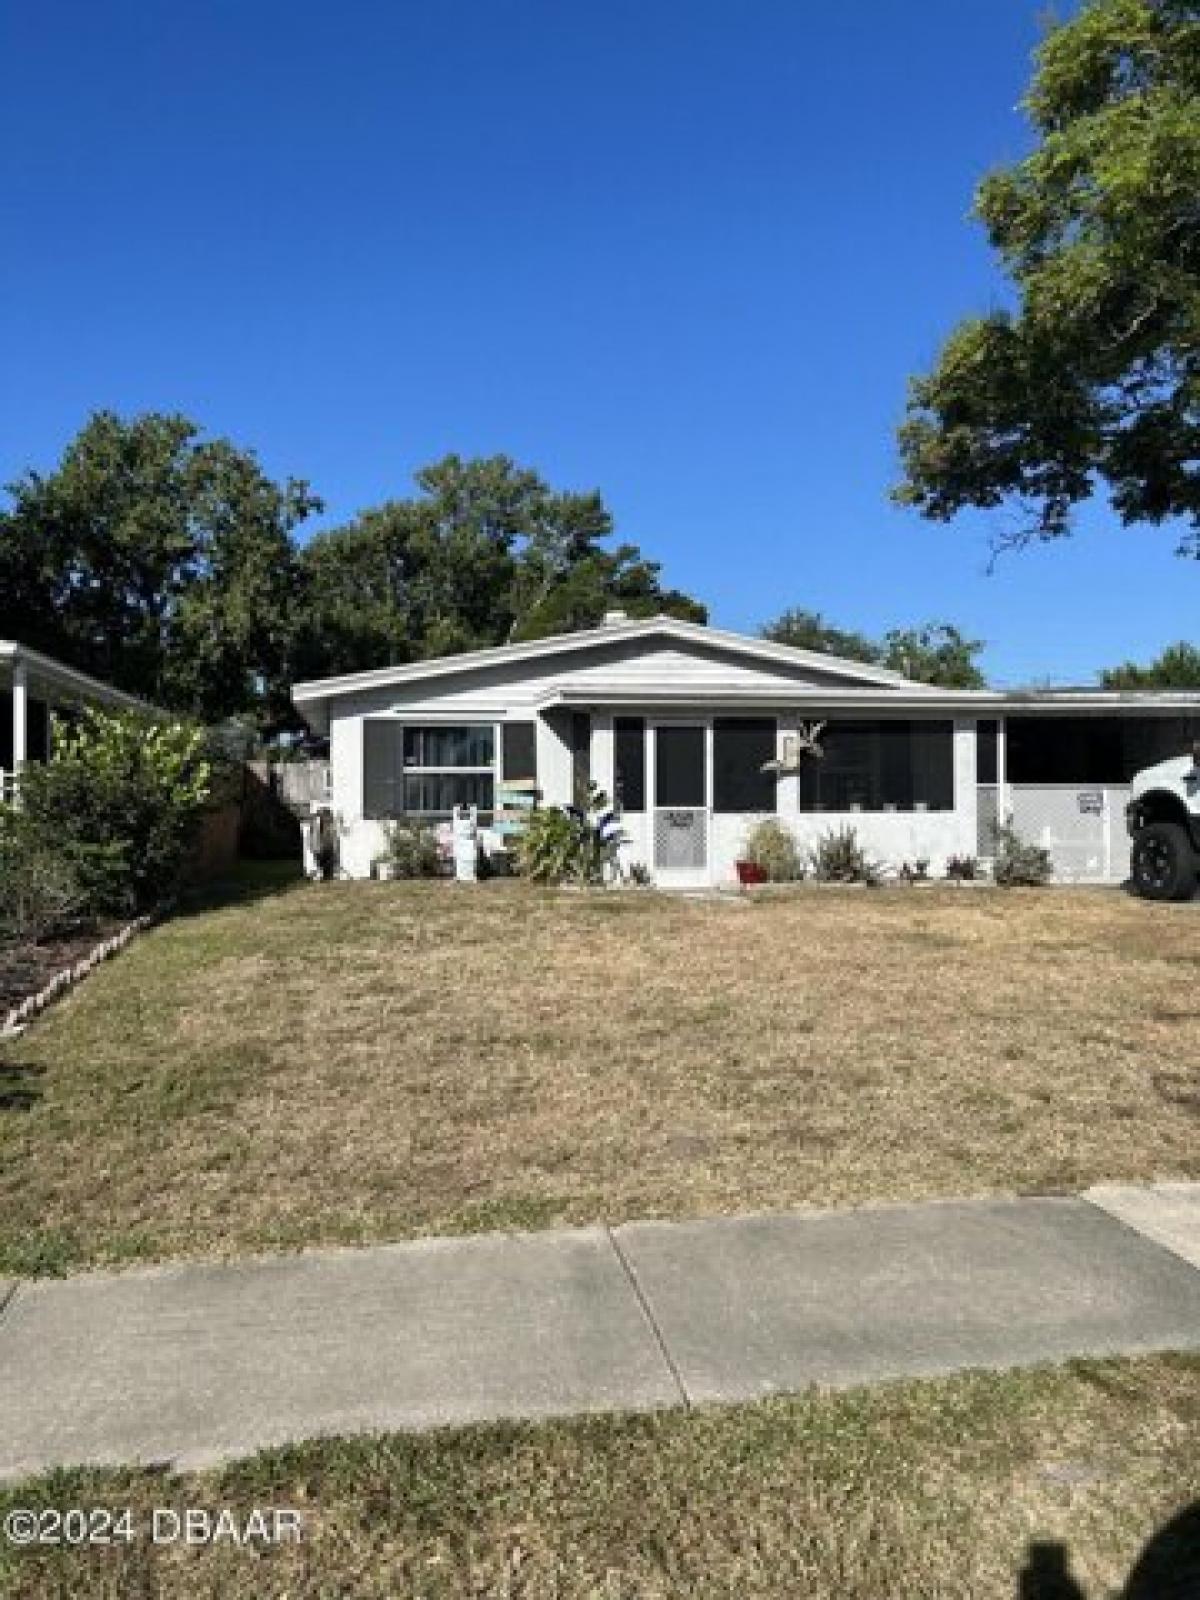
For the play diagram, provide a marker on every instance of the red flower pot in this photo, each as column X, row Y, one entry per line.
column 750, row 872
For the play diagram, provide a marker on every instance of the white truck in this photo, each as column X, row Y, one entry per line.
column 1164, row 823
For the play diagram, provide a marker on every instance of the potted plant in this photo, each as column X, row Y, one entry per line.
column 770, row 854
column 750, row 872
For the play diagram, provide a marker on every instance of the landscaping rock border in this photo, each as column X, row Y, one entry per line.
column 19, row 1018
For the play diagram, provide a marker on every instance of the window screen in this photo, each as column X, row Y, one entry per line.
column 449, row 747
column 679, row 766
column 876, row 766
column 740, row 747
column 437, row 793
column 630, row 775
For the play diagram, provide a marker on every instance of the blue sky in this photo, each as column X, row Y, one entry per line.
column 686, row 252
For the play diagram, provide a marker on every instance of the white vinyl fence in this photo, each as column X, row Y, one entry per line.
column 1082, row 826
column 302, row 785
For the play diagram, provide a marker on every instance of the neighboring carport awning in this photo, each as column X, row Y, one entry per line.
column 30, row 683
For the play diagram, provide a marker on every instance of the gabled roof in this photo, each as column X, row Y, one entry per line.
column 669, row 629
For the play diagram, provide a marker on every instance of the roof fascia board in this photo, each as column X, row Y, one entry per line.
column 982, row 701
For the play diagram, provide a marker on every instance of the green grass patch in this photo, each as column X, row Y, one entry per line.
column 972, row 1488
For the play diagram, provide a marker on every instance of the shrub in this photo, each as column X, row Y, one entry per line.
column 562, row 844
column 838, row 857
column 962, row 869
column 915, row 871
column 1017, row 863
column 772, row 846
column 412, row 849
column 121, row 802
column 40, row 893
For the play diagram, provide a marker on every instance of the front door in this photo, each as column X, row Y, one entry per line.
column 680, row 851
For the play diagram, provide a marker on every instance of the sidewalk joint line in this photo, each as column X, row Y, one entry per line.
column 660, row 1341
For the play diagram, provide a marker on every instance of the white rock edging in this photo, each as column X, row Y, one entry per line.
column 19, row 1018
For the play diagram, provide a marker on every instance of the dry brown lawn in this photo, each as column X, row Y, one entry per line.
column 1071, row 1484
column 365, row 1061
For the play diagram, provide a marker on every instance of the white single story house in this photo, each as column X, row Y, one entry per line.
column 679, row 723
column 32, row 687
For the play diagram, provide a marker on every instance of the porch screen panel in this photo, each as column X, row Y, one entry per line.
column 382, row 767
column 581, row 757
column 518, row 751
column 740, row 747
column 1093, row 750
column 679, row 766
column 630, row 757
column 933, row 765
column 987, row 734
column 881, row 765
column 6, row 731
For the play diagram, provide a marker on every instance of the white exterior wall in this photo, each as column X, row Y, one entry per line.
column 361, row 839
column 498, row 696
column 555, row 773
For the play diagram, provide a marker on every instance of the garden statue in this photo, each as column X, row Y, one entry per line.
column 465, row 828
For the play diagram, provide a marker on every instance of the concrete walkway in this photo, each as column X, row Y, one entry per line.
column 193, row 1364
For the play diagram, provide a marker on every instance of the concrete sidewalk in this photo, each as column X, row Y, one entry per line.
column 193, row 1364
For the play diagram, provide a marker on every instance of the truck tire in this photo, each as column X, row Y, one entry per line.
column 1164, row 862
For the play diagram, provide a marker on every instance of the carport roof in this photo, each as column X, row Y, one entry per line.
column 49, row 674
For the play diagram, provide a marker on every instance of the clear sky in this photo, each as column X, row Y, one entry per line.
column 684, row 251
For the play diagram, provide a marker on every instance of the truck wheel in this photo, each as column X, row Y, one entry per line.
column 1164, row 863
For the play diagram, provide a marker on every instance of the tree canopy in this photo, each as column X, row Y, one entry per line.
column 167, row 563
column 935, row 653
column 1178, row 667
column 159, row 561
column 485, row 553
column 1094, row 379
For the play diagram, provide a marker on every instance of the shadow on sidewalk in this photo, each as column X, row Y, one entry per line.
column 1167, row 1569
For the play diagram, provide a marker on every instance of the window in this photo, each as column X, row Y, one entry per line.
column 630, row 756
column 740, row 747
column 426, row 771
column 881, row 766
